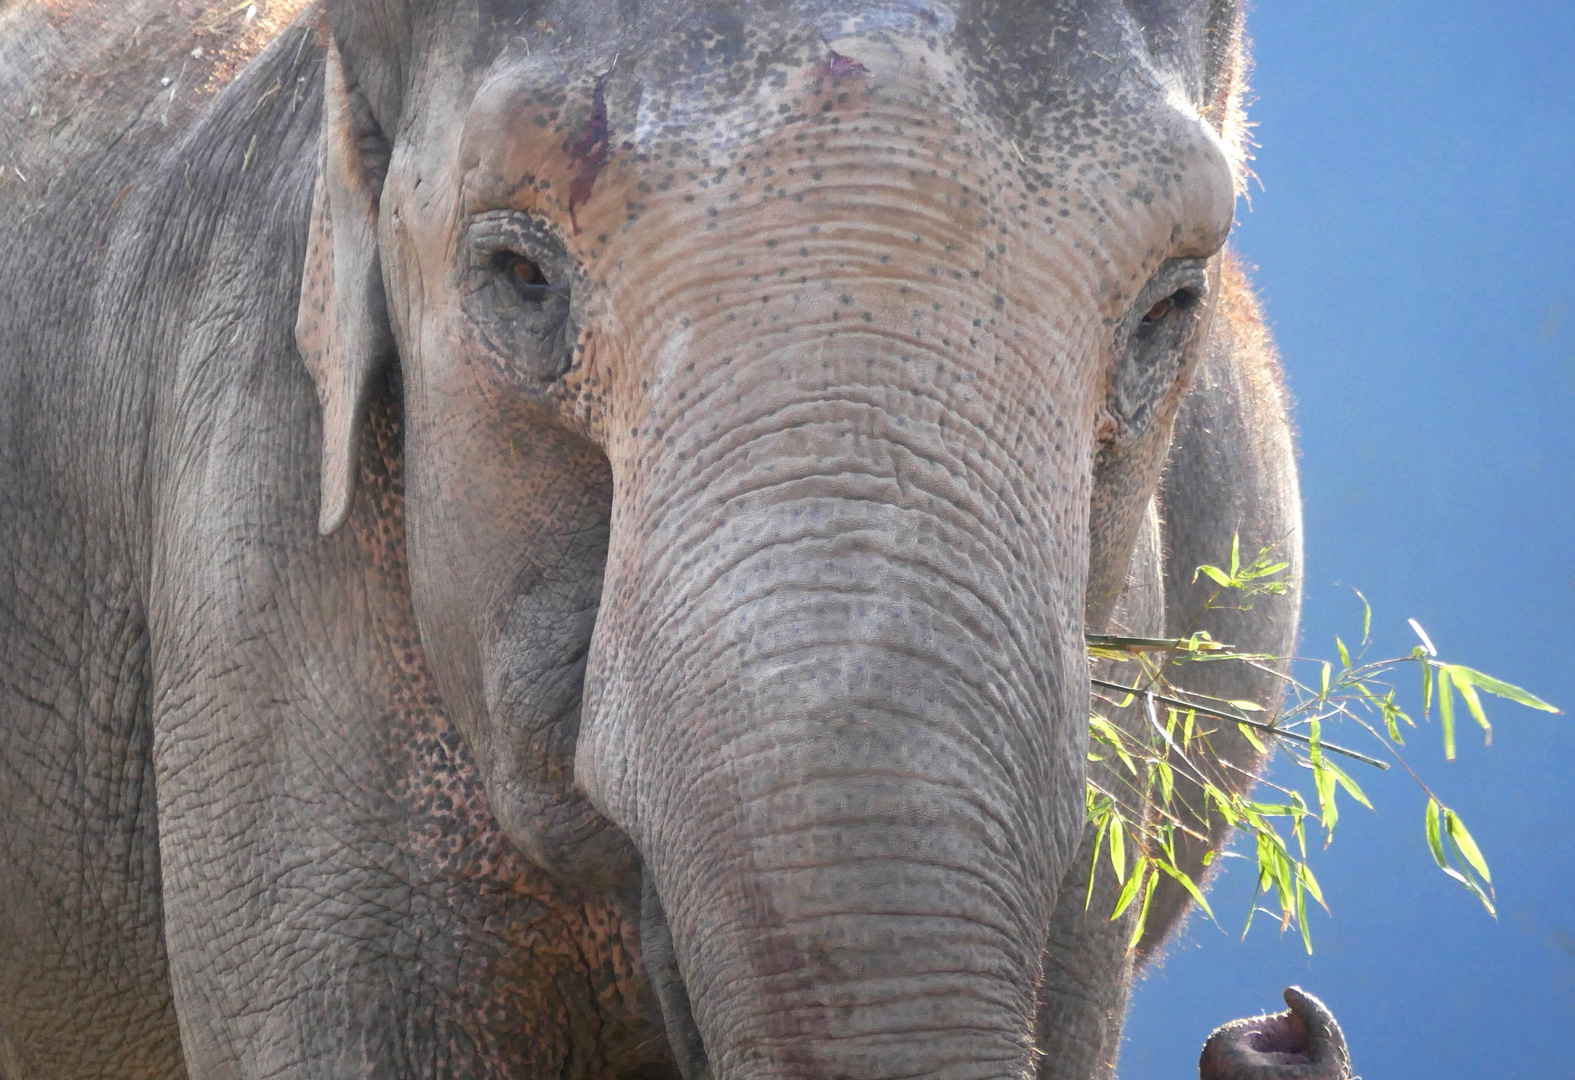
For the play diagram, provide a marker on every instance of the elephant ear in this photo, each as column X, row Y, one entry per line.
column 341, row 326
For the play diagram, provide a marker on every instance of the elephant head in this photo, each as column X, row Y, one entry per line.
column 784, row 386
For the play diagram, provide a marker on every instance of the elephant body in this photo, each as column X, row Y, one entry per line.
column 394, row 680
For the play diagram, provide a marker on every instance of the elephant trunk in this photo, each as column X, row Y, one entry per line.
column 1302, row 1043
column 836, row 699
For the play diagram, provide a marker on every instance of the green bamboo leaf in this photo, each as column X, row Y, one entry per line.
column 1167, row 780
column 1427, row 688
column 1277, row 809
column 1247, row 706
column 1265, row 862
column 1312, row 885
column 1215, row 574
column 1142, row 919
column 1328, row 809
column 1130, row 889
column 1392, row 715
column 1499, row 688
column 1187, row 883
column 1435, row 842
column 1093, row 867
column 1264, row 569
column 1106, row 732
column 1252, row 737
column 1466, row 845
column 1118, row 847
column 1284, row 875
column 1327, row 671
column 1345, row 655
column 1252, row 909
column 1446, row 711
column 1469, row 880
column 1301, row 916
column 1235, row 554
column 1462, row 679
column 1347, row 783
column 1225, row 803
column 1394, row 729
column 1367, row 618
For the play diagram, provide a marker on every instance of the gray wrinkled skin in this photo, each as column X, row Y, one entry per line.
column 553, row 539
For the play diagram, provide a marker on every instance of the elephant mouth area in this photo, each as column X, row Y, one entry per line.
column 1281, row 1039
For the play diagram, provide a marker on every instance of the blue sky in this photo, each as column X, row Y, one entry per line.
column 1415, row 243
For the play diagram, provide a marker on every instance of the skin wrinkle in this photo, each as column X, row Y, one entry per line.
column 845, row 396
column 840, row 542
column 854, row 701
column 741, row 567
column 980, row 747
column 722, row 832
column 767, row 794
column 835, row 639
column 996, row 935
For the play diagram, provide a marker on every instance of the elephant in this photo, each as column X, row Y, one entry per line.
column 553, row 538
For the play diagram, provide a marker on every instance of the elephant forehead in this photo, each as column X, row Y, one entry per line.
column 1040, row 70
column 657, row 98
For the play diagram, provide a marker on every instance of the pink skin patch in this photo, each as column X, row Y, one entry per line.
column 590, row 152
column 835, row 66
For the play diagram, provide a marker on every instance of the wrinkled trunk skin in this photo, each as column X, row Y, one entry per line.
column 856, row 809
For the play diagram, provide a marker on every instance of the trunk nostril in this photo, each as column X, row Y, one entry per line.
column 1302, row 1043
column 1284, row 1037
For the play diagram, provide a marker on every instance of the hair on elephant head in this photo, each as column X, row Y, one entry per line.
column 729, row 417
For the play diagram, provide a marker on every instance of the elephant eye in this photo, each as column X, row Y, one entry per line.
column 1154, row 346
column 1180, row 300
column 526, row 274
column 518, row 293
